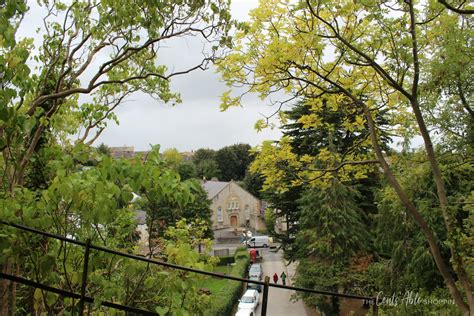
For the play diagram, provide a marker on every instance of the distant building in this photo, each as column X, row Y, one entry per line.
column 129, row 152
column 122, row 152
column 187, row 155
column 234, row 207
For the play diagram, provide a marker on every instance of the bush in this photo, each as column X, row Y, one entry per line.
column 223, row 261
column 231, row 291
column 241, row 253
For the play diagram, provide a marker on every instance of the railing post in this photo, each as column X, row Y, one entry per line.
column 375, row 309
column 84, row 277
column 265, row 296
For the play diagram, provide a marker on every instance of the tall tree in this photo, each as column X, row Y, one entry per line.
column 379, row 53
column 332, row 237
column 187, row 170
column 172, row 157
column 71, row 62
column 233, row 161
column 208, row 169
column 304, row 143
column 105, row 50
column 203, row 154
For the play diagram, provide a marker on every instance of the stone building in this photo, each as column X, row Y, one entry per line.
column 234, row 207
column 122, row 152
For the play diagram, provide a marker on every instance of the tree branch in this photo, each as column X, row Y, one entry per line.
column 454, row 9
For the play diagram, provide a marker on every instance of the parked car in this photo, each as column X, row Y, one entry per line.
column 248, row 302
column 245, row 312
column 254, row 286
column 258, row 241
column 255, row 271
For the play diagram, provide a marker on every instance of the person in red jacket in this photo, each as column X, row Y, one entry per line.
column 275, row 278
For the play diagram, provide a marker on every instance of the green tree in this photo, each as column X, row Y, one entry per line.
column 203, row 154
column 93, row 203
column 187, row 170
column 172, row 157
column 306, row 143
column 208, row 169
column 233, row 161
column 379, row 61
column 104, row 149
column 398, row 241
column 106, row 51
column 253, row 183
column 200, row 210
column 48, row 99
column 332, row 236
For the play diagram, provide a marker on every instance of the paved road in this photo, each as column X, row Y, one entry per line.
column 279, row 303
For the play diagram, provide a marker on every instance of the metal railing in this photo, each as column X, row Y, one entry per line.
column 85, row 299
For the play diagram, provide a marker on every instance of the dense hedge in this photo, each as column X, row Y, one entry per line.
column 223, row 261
column 232, row 290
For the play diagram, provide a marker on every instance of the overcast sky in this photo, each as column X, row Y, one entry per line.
column 197, row 122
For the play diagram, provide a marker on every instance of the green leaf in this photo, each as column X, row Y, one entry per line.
column 162, row 310
column 38, row 294
column 149, row 282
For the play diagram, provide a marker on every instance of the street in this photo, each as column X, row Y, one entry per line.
column 279, row 303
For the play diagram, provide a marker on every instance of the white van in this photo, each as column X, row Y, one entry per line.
column 258, row 241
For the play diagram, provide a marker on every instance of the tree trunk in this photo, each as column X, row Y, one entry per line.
column 443, row 201
column 425, row 229
column 5, row 288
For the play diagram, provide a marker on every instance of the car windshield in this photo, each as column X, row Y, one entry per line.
column 247, row 299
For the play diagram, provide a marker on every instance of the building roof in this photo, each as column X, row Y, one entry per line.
column 213, row 187
column 122, row 148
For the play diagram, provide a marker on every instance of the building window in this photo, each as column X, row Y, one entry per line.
column 233, row 205
column 219, row 214
column 247, row 212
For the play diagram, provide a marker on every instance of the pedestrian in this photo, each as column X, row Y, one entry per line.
column 283, row 277
column 275, row 278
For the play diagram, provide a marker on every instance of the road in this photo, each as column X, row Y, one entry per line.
column 279, row 303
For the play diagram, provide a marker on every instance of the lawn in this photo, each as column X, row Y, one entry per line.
column 225, row 293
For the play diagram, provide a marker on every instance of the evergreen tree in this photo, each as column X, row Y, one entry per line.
column 331, row 239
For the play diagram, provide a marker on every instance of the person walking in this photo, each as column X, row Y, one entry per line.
column 283, row 277
column 275, row 278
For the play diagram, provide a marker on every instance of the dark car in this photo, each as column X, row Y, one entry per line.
column 254, row 286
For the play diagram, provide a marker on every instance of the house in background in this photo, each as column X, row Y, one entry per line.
column 122, row 152
column 234, row 207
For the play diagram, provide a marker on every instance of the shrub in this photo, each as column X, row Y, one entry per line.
column 241, row 254
column 223, row 261
column 231, row 290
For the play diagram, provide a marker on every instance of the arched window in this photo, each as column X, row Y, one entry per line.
column 247, row 212
column 219, row 214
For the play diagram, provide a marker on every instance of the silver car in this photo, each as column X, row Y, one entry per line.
column 255, row 271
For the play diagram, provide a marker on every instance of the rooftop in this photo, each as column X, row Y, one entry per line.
column 213, row 187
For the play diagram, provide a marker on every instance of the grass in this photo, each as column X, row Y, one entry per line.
column 216, row 285
column 225, row 293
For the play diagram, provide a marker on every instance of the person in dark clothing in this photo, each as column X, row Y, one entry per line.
column 275, row 278
column 283, row 277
